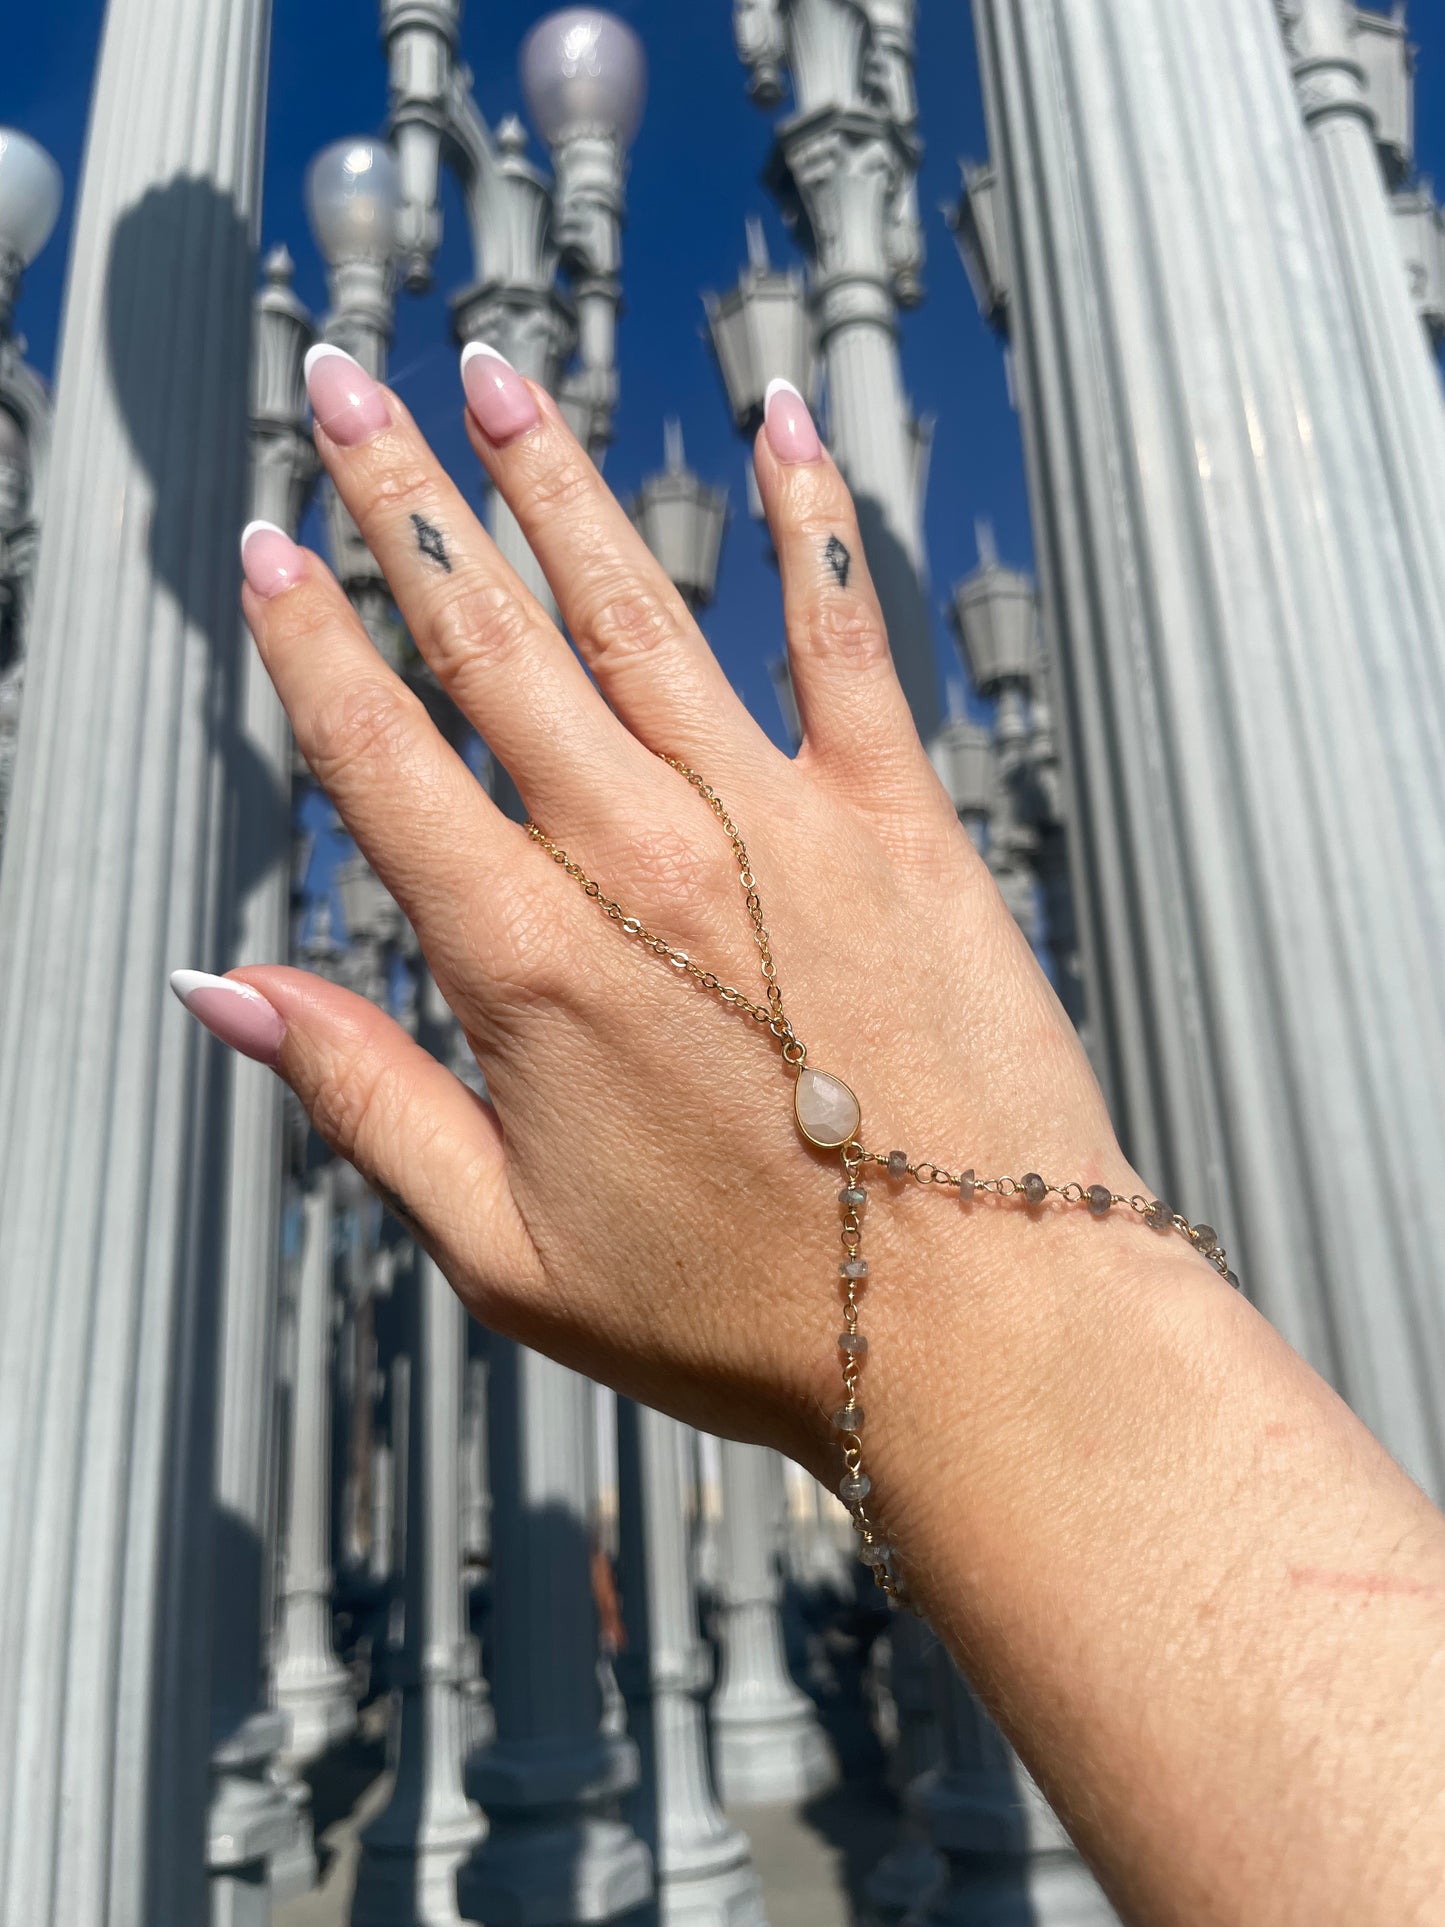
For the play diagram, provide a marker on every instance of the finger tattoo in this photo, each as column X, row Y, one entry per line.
column 430, row 541
column 838, row 560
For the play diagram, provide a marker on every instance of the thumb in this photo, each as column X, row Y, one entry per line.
column 430, row 1147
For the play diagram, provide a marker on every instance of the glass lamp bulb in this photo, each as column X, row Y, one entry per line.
column 31, row 189
column 353, row 199
column 584, row 72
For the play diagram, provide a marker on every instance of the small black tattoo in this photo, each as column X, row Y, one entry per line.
column 429, row 541
column 836, row 557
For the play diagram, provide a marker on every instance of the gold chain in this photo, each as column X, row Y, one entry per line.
column 853, row 1270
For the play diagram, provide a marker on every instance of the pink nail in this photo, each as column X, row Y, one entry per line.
column 501, row 402
column 234, row 1012
column 347, row 403
column 788, row 425
column 271, row 560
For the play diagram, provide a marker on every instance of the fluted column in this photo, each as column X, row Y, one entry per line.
column 110, row 1100
column 551, row 1782
column 1401, row 379
column 1006, row 1860
column 248, row 1731
column 845, row 163
column 1253, row 813
column 703, row 1863
column 411, row 1851
column 768, row 1744
column 311, row 1684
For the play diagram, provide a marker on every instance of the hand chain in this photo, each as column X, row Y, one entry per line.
column 855, row 1486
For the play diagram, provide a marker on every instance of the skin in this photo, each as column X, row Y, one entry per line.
column 1203, row 1603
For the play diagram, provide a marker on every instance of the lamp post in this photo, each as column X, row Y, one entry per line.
column 114, row 873
column 584, row 75
column 995, row 617
column 248, row 1731
column 30, row 193
column 843, row 172
column 682, row 520
column 354, row 204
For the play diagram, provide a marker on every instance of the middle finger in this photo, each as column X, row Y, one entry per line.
column 486, row 637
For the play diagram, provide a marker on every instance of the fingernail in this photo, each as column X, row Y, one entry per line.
column 234, row 1012
column 270, row 559
column 501, row 402
column 349, row 405
column 788, row 425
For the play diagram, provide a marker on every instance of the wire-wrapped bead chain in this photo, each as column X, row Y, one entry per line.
column 1032, row 1190
column 828, row 1116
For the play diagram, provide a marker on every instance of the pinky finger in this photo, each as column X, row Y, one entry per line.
column 855, row 715
column 429, row 1146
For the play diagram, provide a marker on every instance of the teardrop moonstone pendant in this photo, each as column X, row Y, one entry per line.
column 828, row 1114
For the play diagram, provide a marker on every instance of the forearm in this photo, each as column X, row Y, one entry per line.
column 1201, row 1600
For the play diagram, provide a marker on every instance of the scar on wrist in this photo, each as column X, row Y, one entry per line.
column 837, row 560
column 1320, row 1579
column 430, row 541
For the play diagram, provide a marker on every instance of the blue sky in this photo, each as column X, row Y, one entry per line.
column 695, row 177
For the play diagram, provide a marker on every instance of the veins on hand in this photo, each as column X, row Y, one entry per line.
column 430, row 541
column 838, row 560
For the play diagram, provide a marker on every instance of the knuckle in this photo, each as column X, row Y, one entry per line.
column 518, row 947
column 350, row 1106
column 395, row 486
column 843, row 627
column 670, row 869
column 361, row 727
column 475, row 624
column 557, row 488
column 623, row 620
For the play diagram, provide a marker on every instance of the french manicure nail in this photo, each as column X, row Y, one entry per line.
column 345, row 400
column 238, row 1015
column 502, row 404
column 270, row 559
column 788, row 425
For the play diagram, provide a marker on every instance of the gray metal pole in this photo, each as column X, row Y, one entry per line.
column 111, row 1101
column 768, row 1742
column 1257, row 861
column 704, row 1868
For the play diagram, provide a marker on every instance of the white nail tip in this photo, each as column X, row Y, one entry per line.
column 323, row 348
column 777, row 386
column 253, row 528
column 185, row 983
column 475, row 348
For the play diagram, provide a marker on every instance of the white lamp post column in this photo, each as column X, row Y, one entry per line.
column 1328, row 42
column 111, row 1101
column 1230, row 625
column 311, row 1684
column 411, row 1851
column 248, row 1731
column 30, row 197
column 704, row 1870
column 769, row 1745
column 844, row 169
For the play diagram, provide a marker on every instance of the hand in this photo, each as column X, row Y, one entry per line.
column 636, row 1199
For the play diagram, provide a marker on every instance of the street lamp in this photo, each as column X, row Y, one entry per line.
column 30, row 194
column 584, row 76
column 353, row 202
column 962, row 753
column 681, row 520
column 995, row 617
column 760, row 331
